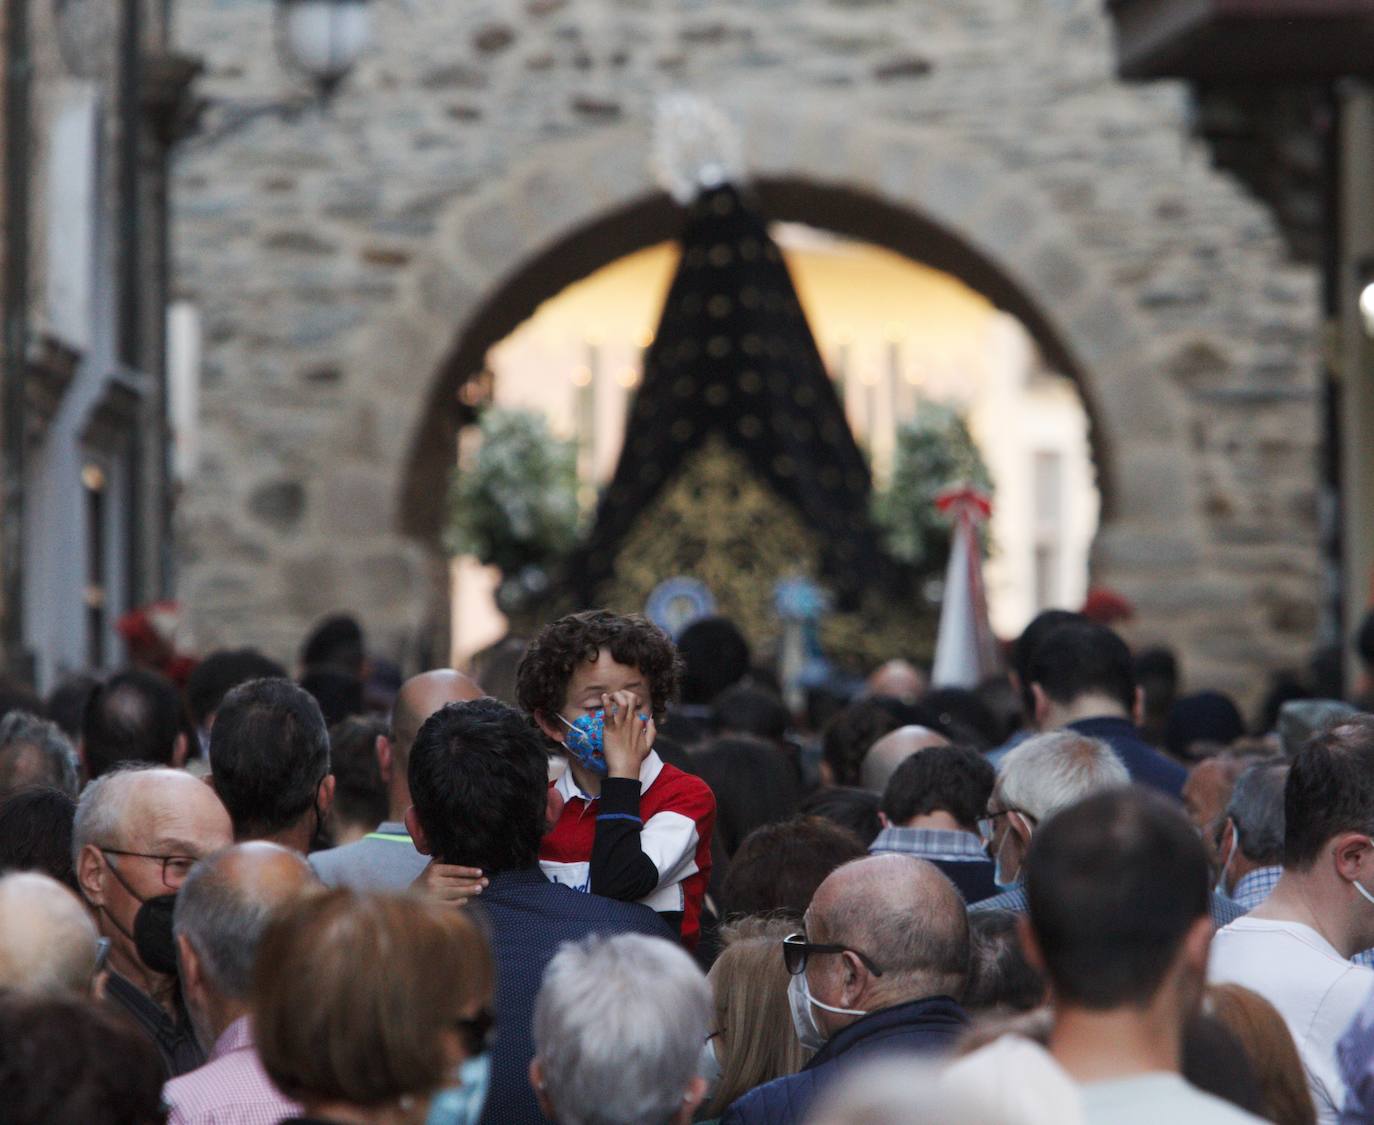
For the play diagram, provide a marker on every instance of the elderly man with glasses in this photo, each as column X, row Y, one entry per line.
column 878, row 968
column 138, row 833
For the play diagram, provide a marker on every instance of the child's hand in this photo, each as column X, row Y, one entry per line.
column 628, row 738
column 449, row 885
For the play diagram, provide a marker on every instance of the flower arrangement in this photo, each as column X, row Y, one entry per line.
column 515, row 505
column 934, row 451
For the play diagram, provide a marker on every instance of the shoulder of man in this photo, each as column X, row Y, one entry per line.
column 782, row 1101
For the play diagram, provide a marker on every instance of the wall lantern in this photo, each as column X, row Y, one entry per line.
column 323, row 39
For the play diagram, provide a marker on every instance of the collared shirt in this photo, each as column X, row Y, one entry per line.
column 173, row 1037
column 231, row 1089
column 1222, row 909
column 959, row 855
column 1252, row 889
column 384, row 860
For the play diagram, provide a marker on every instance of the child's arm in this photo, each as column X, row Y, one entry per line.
column 620, row 869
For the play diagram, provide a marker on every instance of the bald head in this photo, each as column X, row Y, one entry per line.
column 419, row 698
column 905, row 915
column 47, row 939
column 899, row 679
column 890, row 751
column 141, row 809
column 226, row 903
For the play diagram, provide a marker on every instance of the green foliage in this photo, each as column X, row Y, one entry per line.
column 515, row 506
column 934, row 452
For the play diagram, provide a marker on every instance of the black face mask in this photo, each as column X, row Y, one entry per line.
column 157, row 948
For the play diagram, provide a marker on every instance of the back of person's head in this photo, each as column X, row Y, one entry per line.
column 134, row 716
column 66, row 703
column 220, row 673
column 16, row 696
column 36, row 833
column 495, row 668
column 715, row 656
column 1115, row 884
column 269, row 751
column 1080, row 659
column 1215, row 1061
column 478, row 779
column 1051, row 771
column 560, row 648
column 339, row 694
column 1000, row 979
column 1330, row 790
column 360, row 795
column 890, row 751
column 336, row 642
column 952, row 779
column 1203, row 717
column 328, row 1032
column 1041, row 625
column 34, row 751
column 618, row 1028
column 904, row 913
column 1256, row 809
column 849, row 807
column 225, row 904
column 751, row 711
column 1267, row 1042
column 47, row 938
column 850, row 735
column 1156, row 671
column 961, row 716
column 754, row 784
column 1299, row 719
column 64, row 1061
column 755, row 1041
column 778, row 867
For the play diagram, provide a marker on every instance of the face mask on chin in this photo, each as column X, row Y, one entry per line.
column 463, row 1103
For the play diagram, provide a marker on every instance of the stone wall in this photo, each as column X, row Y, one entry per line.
column 342, row 259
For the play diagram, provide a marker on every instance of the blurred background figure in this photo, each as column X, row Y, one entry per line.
column 48, row 943
column 34, row 751
column 360, row 796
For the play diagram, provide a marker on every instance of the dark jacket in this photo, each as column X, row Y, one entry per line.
column 528, row 918
column 921, row 1026
column 1146, row 765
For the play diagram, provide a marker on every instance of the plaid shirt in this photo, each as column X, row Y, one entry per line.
column 230, row 1089
column 930, row 843
column 1254, row 888
column 1223, row 910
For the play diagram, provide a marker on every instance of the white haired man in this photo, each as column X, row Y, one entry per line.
column 618, row 1031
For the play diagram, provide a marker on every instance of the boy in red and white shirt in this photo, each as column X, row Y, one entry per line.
column 632, row 827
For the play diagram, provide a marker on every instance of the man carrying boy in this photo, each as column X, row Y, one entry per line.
column 632, row 827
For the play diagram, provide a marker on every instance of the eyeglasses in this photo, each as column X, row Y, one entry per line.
column 796, row 949
column 987, row 826
column 476, row 1031
column 175, row 868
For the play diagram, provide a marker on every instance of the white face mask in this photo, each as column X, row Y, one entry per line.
column 1360, row 887
column 799, row 999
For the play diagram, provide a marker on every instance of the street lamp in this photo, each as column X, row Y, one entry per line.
column 323, row 38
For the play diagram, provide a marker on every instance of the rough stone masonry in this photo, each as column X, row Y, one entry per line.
column 338, row 257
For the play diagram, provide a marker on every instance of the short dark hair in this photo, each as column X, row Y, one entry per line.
column 269, row 751
column 478, row 778
column 850, row 735
column 848, row 806
column 220, row 673
column 1256, row 809
column 335, row 642
column 1113, row 884
column 1330, row 790
column 715, row 655
column 36, row 833
column 1041, row 626
column 360, row 795
column 750, row 710
column 778, row 867
column 134, row 716
column 1083, row 658
column 339, row 694
column 999, row 976
column 66, row 703
column 952, row 779
column 71, row 1060
column 961, row 716
column 633, row 640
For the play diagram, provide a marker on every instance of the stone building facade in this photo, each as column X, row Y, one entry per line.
column 351, row 267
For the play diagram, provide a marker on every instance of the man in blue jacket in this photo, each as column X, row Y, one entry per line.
column 877, row 970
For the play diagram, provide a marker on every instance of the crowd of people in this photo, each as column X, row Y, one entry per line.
column 606, row 878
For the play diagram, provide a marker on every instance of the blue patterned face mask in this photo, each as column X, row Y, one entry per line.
column 463, row 1104
column 587, row 740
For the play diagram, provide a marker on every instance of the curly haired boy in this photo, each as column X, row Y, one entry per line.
column 596, row 683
